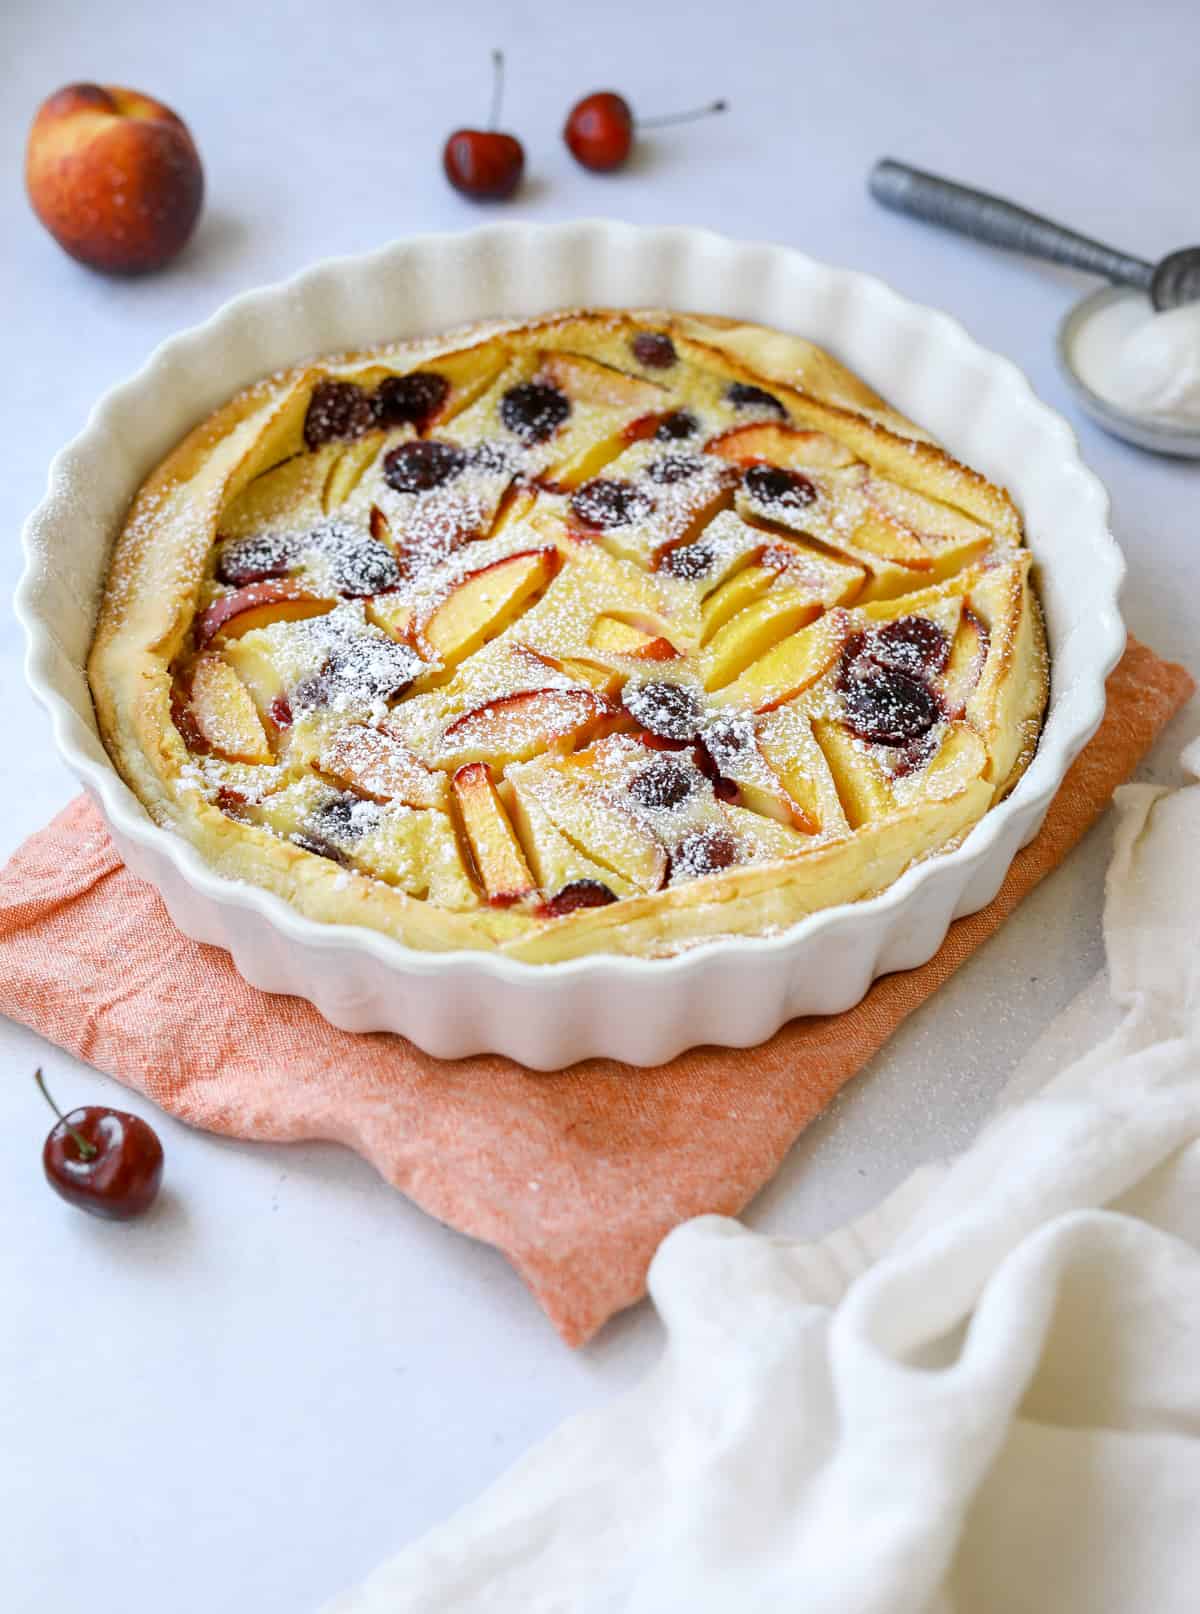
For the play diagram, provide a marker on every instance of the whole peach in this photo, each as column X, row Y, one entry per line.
column 114, row 176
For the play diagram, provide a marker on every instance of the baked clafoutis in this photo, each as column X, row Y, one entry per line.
column 604, row 632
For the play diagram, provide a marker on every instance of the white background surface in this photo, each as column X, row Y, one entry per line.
column 286, row 1371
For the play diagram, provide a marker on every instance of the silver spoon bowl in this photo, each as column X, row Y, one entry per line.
column 987, row 218
column 1160, row 434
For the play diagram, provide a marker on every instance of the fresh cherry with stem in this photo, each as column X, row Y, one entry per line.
column 102, row 1161
column 599, row 129
column 483, row 163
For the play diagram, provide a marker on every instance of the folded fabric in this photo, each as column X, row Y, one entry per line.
column 577, row 1180
column 984, row 1399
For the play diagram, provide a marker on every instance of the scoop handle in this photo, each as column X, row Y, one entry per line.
column 1000, row 223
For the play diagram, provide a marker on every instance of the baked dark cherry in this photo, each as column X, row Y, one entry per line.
column 578, row 894
column 106, row 1162
column 368, row 669
column 772, row 484
column 410, row 400
column 344, row 819
column 599, row 129
column 743, row 395
column 884, row 706
column 666, row 782
column 320, row 848
column 337, row 411
column 914, row 756
column 363, row 568
column 676, row 426
column 675, row 468
column 706, row 851
column 690, row 562
column 254, row 560
column 654, row 349
column 491, row 458
column 534, row 410
column 280, row 712
column 485, row 164
column 184, row 720
column 670, row 711
column 910, row 644
column 606, row 503
column 359, row 565
column 421, row 466
column 728, row 740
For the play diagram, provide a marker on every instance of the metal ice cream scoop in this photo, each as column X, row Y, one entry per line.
column 989, row 218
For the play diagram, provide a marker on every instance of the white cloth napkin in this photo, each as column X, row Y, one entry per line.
column 984, row 1397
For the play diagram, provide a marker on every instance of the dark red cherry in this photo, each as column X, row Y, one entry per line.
column 359, row 565
column 706, row 851
column 410, row 400
column 772, row 484
column 420, row 466
column 254, row 560
column 744, row 395
column 606, row 502
column 106, row 1162
column 671, row 711
column 884, row 706
column 675, row 468
column 483, row 163
column 577, row 894
column 910, row 644
column 654, row 349
column 690, row 562
column 665, row 783
column 599, row 129
column 534, row 410
column 337, row 410
column 673, row 427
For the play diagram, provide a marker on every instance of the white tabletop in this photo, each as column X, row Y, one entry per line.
column 287, row 1371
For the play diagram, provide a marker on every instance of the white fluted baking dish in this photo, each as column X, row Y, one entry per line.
column 732, row 991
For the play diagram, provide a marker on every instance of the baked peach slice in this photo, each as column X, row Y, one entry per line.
column 393, row 613
column 737, row 754
column 224, row 714
column 597, row 675
column 613, row 636
column 257, row 606
column 790, row 446
column 522, row 725
column 586, row 380
column 590, row 384
column 485, row 602
column 791, row 667
column 863, row 786
column 951, row 539
column 374, row 763
column 968, row 657
column 748, row 636
column 563, row 872
column 499, row 860
column 606, row 836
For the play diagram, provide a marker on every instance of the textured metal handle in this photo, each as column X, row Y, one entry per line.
column 991, row 219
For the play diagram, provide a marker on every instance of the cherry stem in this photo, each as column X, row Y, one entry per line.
column 683, row 117
column 497, row 87
column 86, row 1149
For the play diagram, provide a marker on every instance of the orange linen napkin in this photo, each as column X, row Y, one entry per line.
column 576, row 1177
